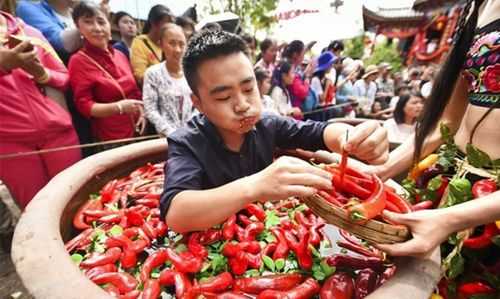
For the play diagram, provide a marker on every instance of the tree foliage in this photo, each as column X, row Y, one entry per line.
column 386, row 52
column 355, row 47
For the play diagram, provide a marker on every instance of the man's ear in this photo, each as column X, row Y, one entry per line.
column 196, row 102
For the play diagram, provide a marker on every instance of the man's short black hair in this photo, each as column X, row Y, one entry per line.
column 206, row 45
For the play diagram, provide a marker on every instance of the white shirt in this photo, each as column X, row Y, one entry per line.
column 365, row 94
column 167, row 100
column 281, row 101
column 398, row 133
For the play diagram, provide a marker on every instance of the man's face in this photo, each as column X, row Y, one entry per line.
column 127, row 26
column 228, row 94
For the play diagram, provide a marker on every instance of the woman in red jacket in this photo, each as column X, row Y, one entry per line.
column 31, row 121
column 104, row 88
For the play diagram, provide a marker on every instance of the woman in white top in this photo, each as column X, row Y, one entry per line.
column 263, row 78
column 283, row 76
column 166, row 94
column 402, row 126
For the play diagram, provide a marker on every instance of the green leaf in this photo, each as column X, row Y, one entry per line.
column 271, row 219
column 314, row 251
column 94, row 196
column 495, row 163
column 496, row 240
column 155, row 273
column 457, row 264
column 252, row 273
column 477, row 157
column 77, row 258
column 99, row 248
column 453, row 239
column 460, row 190
column 269, row 263
column 280, row 264
column 445, row 132
column 100, row 235
column 267, row 236
column 116, row 230
column 327, row 269
column 181, row 248
column 318, row 275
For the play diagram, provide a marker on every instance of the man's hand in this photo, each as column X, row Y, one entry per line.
column 428, row 228
column 367, row 142
column 287, row 177
column 17, row 57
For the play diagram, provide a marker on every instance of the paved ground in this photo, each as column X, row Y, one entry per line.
column 11, row 286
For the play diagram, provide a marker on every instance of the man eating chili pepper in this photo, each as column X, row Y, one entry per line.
column 223, row 159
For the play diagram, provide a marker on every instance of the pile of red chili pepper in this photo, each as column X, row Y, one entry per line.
column 364, row 196
column 264, row 251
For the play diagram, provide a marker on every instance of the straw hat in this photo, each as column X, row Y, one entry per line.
column 370, row 70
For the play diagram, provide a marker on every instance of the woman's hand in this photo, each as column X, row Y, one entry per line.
column 140, row 125
column 428, row 227
column 18, row 57
column 130, row 106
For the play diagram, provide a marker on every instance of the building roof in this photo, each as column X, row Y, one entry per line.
column 400, row 17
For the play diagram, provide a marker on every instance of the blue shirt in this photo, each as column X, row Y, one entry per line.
column 198, row 159
column 43, row 17
column 122, row 47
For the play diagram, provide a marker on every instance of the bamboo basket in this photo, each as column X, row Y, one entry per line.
column 373, row 231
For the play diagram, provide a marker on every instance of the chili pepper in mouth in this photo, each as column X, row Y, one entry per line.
column 307, row 289
column 98, row 259
column 338, row 286
column 151, row 289
column 122, row 280
column 365, row 283
column 229, row 228
column 483, row 240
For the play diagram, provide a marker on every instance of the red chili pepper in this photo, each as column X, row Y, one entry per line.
column 167, row 277
column 330, row 198
column 216, row 284
column 134, row 218
column 257, row 211
column 256, row 285
column 423, row 205
column 98, row 259
column 366, row 282
column 76, row 241
column 443, row 288
column 130, row 295
column 156, row 259
column 315, row 235
column 483, row 240
column 254, row 260
column 307, row 289
column 118, row 241
column 113, row 218
column 300, row 248
column 231, row 295
column 386, row 275
column 155, row 212
column 286, row 224
column 151, row 289
column 231, row 248
column 182, row 285
column 79, row 219
column 161, row 229
column 359, row 249
column 210, row 236
column 149, row 230
column 91, row 273
column 187, row 263
column 229, row 228
column 350, row 187
column 245, row 220
column 483, row 187
column 238, row 263
column 148, row 202
column 122, row 280
column 302, row 220
column 195, row 247
column 474, row 288
column 338, row 286
column 128, row 259
column 371, row 207
column 98, row 213
column 111, row 289
column 107, row 192
column 391, row 207
column 355, row 263
column 269, row 249
column 282, row 249
column 252, row 230
column 403, row 206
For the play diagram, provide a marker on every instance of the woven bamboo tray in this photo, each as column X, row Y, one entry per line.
column 372, row 230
